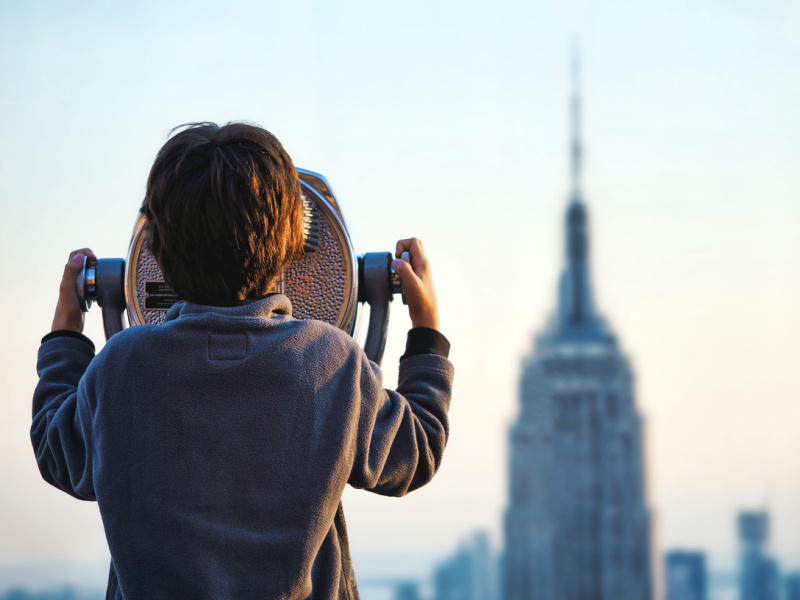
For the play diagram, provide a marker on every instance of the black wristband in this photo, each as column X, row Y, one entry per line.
column 424, row 340
column 68, row 333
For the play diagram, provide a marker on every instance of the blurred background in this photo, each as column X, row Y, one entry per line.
column 450, row 121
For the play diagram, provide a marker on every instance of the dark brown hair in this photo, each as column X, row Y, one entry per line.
column 223, row 211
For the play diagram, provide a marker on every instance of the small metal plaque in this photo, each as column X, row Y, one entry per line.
column 158, row 295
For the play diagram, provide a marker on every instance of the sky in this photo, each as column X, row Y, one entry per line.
column 449, row 121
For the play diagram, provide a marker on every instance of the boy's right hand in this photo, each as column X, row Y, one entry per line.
column 417, row 284
column 69, row 315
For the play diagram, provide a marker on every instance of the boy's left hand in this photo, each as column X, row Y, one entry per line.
column 69, row 315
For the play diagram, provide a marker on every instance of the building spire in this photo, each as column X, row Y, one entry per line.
column 577, row 149
column 577, row 316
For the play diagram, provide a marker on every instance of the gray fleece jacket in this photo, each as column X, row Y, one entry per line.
column 218, row 445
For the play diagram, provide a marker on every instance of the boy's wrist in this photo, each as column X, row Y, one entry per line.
column 429, row 321
column 66, row 324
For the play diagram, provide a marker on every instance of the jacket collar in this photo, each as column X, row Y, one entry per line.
column 273, row 305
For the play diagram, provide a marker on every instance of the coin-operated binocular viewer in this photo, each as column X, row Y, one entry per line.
column 328, row 282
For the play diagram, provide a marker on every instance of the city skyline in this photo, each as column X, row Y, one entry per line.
column 445, row 122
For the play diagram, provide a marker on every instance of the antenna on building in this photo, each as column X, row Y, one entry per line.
column 577, row 149
column 767, row 498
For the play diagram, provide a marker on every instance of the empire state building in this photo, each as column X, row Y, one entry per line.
column 577, row 526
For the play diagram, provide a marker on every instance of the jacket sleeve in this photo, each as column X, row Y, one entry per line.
column 402, row 434
column 61, row 429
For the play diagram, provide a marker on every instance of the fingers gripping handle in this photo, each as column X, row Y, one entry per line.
column 397, row 285
column 86, row 285
column 103, row 282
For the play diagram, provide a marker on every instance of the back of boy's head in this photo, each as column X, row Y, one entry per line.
column 223, row 212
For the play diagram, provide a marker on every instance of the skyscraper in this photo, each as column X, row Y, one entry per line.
column 577, row 525
column 685, row 576
column 469, row 574
column 758, row 577
column 793, row 586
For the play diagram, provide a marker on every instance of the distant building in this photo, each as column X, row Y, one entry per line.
column 577, row 525
column 406, row 590
column 467, row 575
column 793, row 587
column 758, row 574
column 685, row 576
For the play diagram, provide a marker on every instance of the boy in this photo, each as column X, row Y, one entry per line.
column 218, row 444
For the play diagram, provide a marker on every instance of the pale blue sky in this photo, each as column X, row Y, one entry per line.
column 448, row 120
